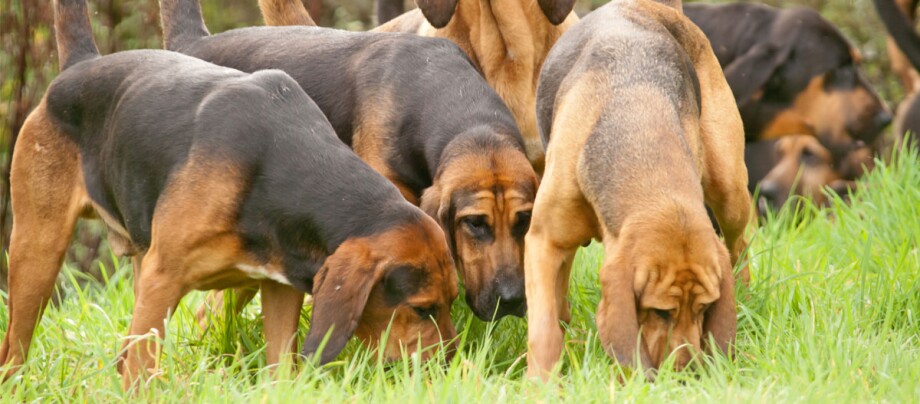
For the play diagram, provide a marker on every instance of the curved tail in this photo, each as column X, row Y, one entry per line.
column 182, row 22
column 900, row 29
column 285, row 12
column 73, row 33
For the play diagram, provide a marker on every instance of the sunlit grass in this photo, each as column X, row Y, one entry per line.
column 832, row 313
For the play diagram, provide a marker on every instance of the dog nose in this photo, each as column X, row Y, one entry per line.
column 769, row 196
column 882, row 119
column 511, row 298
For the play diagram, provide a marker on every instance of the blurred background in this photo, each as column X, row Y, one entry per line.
column 28, row 63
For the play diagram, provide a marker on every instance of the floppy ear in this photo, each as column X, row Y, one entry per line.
column 437, row 12
column 720, row 320
column 340, row 292
column 440, row 208
column 617, row 318
column 556, row 10
column 748, row 74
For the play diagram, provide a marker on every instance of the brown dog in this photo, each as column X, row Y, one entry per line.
column 506, row 39
column 798, row 165
column 214, row 178
column 641, row 129
column 792, row 72
column 417, row 112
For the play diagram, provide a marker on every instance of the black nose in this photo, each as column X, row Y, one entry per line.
column 511, row 298
column 882, row 119
column 769, row 196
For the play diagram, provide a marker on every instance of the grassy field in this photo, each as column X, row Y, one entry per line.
column 832, row 314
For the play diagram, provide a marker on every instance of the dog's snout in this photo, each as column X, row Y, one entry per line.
column 882, row 119
column 770, row 191
column 510, row 297
column 511, row 294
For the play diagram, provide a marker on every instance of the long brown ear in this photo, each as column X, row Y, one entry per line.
column 440, row 208
column 437, row 12
column 748, row 74
column 720, row 320
column 617, row 318
column 340, row 292
column 556, row 10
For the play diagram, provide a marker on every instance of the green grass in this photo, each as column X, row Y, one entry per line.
column 832, row 314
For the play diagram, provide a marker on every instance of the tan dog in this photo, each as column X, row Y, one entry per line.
column 642, row 130
column 506, row 39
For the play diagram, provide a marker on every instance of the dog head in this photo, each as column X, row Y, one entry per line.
column 670, row 282
column 803, row 167
column 439, row 12
column 401, row 279
column 482, row 196
column 805, row 78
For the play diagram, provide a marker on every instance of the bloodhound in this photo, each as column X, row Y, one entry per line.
column 506, row 39
column 798, row 165
column 642, row 134
column 792, row 72
column 416, row 111
column 213, row 178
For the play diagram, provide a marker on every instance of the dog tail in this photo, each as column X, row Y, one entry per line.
column 181, row 22
column 900, row 29
column 73, row 33
column 278, row 13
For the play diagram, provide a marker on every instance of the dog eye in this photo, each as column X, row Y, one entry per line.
column 426, row 312
column 522, row 224
column 663, row 314
column 810, row 158
column 477, row 225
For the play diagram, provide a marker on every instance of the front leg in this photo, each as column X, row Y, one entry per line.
column 281, row 305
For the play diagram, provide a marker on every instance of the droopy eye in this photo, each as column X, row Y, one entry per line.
column 477, row 225
column 426, row 312
column 522, row 224
column 663, row 314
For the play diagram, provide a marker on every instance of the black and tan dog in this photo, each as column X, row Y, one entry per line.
column 213, row 178
column 798, row 165
column 792, row 72
column 506, row 39
column 416, row 111
column 642, row 133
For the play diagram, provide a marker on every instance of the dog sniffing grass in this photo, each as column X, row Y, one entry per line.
column 832, row 314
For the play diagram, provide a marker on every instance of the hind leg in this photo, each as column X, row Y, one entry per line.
column 47, row 197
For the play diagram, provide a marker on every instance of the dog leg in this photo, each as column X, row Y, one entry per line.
column 47, row 197
column 281, row 305
column 724, row 173
column 213, row 306
column 158, row 295
column 559, row 226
